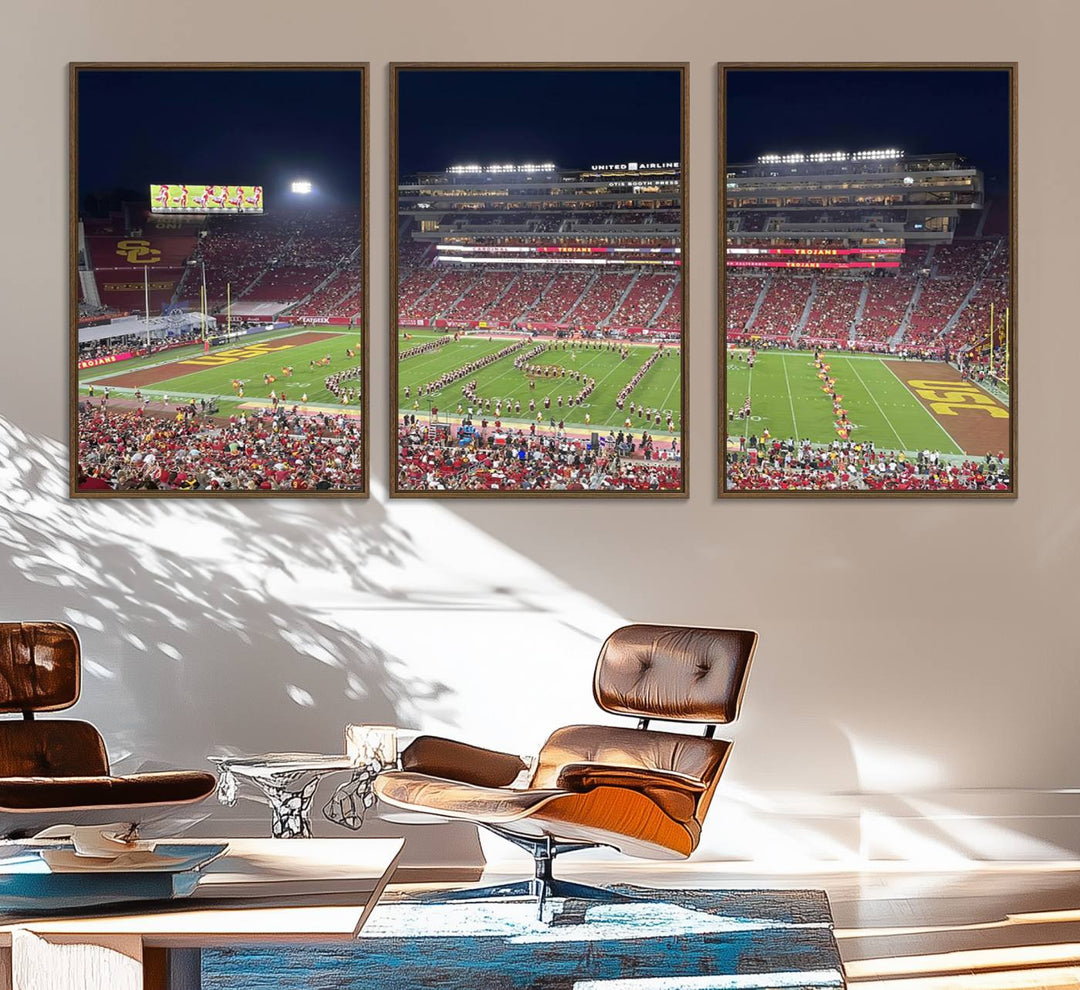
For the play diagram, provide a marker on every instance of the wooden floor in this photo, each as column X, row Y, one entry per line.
column 1008, row 926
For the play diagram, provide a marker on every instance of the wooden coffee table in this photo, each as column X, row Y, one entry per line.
column 261, row 890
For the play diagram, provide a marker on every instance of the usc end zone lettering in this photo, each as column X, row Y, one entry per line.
column 953, row 398
column 235, row 354
column 138, row 252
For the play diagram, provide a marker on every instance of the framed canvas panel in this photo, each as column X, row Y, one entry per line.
column 868, row 280
column 538, row 279
column 218, row 331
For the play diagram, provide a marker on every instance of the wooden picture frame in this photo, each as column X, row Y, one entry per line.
column 397, row 489
column 216, row 481
column 735, row 476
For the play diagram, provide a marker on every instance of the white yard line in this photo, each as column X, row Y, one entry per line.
column 791, row 400
column 125, row 391
column 674, row 385
column 614, row 367
column 750, row 396
column 642, row 382
column 426, row 364
column 873, row 397
column 930, row 415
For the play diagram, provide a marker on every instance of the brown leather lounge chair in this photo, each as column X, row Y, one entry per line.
column 56, row 771
column 643, row 792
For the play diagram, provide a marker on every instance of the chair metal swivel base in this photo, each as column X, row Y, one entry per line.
column 543, row 884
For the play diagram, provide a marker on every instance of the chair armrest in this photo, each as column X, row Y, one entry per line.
column 453, row 760
column 675, row 793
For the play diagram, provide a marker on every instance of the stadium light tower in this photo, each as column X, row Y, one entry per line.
column 201, row 262
column 301, row 186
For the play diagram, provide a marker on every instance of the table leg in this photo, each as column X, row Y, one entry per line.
column 351, row 800
column 89, row 962
column 184, row 969
column 290, row 809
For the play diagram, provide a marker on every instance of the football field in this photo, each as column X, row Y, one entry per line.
column 660, row 388
column 188, row 372
column 899, row 405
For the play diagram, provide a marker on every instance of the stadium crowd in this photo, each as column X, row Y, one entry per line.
column 129, row 450
column 763, row 464
column 939, row 295
column 524, row 460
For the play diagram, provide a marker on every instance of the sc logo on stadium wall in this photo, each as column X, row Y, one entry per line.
column 138, row 252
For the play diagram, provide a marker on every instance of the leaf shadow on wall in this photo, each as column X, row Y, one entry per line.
column 195, row 645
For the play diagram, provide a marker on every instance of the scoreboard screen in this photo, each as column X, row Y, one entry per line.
column 205, row 199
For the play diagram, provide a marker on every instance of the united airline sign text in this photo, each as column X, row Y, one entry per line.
column 634, row 166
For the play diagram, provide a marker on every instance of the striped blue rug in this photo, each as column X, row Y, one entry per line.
column 664, row 940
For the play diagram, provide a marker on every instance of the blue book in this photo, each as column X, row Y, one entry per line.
column 42, row 880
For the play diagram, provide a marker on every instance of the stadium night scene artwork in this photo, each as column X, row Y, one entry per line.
column 869, row 308
column 218, row 270
column 537, row 285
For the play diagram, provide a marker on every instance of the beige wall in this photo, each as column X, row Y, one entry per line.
column 919, row 660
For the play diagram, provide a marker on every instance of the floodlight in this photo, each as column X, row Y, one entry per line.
column 301, row 186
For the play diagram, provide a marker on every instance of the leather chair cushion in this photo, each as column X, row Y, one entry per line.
column 39, row 666
column 675, row 771
column 77, row 793
column 617, row 816
column 675, row 673
column 619, row 746
column 675, row 793
column 643, row 792
column 457, row 799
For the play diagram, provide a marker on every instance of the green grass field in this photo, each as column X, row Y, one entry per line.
column 216, row 382
column 786, row 397
column 659, row 389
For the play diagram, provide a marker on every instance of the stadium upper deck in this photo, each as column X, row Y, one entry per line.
column 866, row 199
column 536, row 245
column 301, row 263
column 603, row 204
column 872, row 248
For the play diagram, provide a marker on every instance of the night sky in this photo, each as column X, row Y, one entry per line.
column 572, row 118
column 257, row 127
column 919, row 111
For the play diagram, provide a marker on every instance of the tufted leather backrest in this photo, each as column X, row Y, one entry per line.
column 51, row 748
column 678, row 673
column 39, row 666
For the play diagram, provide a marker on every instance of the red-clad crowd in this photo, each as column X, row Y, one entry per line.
column 129, row 450
column 519, row 460
column 950, row 286
column 848, row 466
